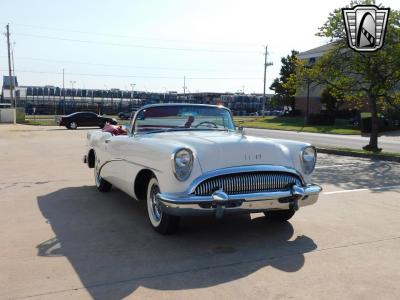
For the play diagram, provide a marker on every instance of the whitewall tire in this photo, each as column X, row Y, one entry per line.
column 101, row 184
column 160, row 221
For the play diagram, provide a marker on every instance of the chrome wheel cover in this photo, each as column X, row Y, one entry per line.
column 153, row 205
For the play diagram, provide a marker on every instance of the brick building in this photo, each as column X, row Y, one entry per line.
column 314, row 91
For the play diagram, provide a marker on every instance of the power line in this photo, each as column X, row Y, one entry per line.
column 117, row 66
column 131, row 36
column 137, row 76
column 133, row 45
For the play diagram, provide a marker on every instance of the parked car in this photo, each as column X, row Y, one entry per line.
column 188, row 159
column 125, row 115
column 85, row 119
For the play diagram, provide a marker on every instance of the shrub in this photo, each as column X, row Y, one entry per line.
column 293, row 113
column 383, row 124
column 321, row 119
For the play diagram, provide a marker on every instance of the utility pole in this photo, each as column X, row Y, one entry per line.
column 266, row 65
column 9, row 66
column 63, row 90
column 13, row 72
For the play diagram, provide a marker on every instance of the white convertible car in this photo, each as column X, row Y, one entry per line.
column 186, row 159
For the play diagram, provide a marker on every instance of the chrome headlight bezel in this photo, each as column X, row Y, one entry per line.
column 182, row 172
column 307, row 164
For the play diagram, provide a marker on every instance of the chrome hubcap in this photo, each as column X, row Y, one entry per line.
column 155, row 205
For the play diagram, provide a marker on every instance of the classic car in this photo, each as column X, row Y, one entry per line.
column 85, row 119
column 188, row 159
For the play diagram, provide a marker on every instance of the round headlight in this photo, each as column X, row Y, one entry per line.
column 308, row 159
column 183, row 163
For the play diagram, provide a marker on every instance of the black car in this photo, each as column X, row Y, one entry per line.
column 85, row 119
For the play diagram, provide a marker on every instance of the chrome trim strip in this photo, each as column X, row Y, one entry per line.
column 243, row 169
column 133, row 133
column 127, row 161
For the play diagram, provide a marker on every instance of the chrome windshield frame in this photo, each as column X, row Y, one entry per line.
column 133, row 132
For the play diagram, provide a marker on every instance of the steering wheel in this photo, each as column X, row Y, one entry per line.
column 206, row 122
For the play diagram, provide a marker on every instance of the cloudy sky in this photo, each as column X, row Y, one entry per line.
column 217, row 44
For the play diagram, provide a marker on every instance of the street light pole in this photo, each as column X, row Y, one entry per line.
column 308, row 102
column 165, row 92
column 72, row 82
column 184, row 86
column 133, row 93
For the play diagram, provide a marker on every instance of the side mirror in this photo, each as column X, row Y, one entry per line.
column 240, row 130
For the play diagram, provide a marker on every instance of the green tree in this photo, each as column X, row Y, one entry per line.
column 332, row 101
column 284, row 95
column 373, row 77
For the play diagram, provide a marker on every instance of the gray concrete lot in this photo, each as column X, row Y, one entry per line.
column 60, row 238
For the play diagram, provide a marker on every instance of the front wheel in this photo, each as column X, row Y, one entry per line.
column 279, row 215
column 160, row 221
column 72, row 125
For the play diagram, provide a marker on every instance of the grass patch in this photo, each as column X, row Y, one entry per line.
column 382, row 154
column 294, row 124
column 41, row 122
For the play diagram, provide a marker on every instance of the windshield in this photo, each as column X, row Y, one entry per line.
column 182, row 117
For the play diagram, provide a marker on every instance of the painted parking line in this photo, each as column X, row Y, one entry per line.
column 389, row 187
column 343, row 165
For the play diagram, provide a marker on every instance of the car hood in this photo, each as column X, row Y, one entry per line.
column 221, row 149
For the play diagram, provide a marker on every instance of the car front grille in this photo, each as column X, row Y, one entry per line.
column 245, row 183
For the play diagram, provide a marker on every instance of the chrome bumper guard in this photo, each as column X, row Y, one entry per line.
column 220, row 203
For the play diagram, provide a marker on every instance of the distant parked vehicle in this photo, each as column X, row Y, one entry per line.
column 85, row 119
column 125, row 115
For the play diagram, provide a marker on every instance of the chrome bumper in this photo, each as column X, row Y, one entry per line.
column 219, row 203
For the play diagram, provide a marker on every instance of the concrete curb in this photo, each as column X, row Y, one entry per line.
column 356, row 154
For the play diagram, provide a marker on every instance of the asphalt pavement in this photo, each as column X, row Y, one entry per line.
column 62, row 239
column 387, row 143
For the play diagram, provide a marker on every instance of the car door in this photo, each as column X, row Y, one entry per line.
column 115, row 148
column 91, row 119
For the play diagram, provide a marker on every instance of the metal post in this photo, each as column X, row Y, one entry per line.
column 308, row 102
